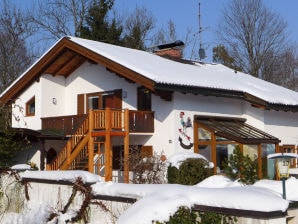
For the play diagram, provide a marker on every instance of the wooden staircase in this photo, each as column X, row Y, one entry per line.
column 79, row 154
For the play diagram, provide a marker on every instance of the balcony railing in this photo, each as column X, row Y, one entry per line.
column 139, row 121
column 65, row 124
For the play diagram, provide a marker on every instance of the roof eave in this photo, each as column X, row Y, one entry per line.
column 208, row 91
column 38, row 68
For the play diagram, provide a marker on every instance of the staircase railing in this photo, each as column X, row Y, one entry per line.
column 63, row 158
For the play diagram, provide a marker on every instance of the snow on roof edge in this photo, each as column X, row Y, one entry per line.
column 141, row 62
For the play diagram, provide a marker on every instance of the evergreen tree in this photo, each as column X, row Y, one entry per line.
column 98, row 26
column 10, row 141
column 221, row 55
column 241, row 167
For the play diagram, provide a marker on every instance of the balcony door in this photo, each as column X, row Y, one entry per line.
column 100, row 100
column 144, row 99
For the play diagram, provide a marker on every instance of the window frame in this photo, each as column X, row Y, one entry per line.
column 28, row 107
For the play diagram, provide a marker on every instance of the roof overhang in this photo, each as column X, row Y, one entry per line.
column 62, row 59
column 67, row 55
column 206, row 91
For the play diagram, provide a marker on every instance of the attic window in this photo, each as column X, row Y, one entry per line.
column 30, row 107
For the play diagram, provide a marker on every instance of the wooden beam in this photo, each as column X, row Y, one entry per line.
column 260, row 174
column 104, row 133
column 126, row 146
column 108, row 147
column 213, row 151
column 195, row 136
column 91, row 144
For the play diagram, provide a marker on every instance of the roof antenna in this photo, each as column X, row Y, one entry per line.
column 202, row 54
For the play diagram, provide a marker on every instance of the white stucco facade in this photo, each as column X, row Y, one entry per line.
column 57, row 96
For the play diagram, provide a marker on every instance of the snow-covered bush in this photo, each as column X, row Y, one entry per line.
column 190, row 172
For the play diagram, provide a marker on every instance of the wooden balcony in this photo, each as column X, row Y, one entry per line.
column 139, row 121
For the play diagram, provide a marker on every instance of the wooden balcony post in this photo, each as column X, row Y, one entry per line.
column 91, row 143
column 108, row 146
column 126, row 146
column 68, row 152
column 213, row 151
column 196, row 137
column 260, row 161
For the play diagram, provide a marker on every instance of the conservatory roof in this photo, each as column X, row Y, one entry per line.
column 235, row 129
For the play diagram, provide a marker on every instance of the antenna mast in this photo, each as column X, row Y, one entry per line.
column 201, row 50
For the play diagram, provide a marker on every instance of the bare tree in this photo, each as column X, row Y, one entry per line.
column 282, row 69
column 146, row 168
column 165, row 35
column 54, row 19
column 14, row 57
column 252, row 34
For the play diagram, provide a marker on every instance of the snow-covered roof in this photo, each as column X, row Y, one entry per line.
column 166, row 71
column 162, row 71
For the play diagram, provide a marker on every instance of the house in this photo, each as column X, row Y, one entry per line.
column 90, row 103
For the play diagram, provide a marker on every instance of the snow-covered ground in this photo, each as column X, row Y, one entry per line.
column 159, row 201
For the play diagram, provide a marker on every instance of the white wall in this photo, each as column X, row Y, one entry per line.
column 19, row 118
column 188, row 105
column 52, row 87
column 91, row 78
column 283, row 125
column 88, row 78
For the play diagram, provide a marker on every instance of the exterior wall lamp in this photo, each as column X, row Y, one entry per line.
column 54, row 100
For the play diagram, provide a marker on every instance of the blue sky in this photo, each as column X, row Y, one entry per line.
column 184, row 13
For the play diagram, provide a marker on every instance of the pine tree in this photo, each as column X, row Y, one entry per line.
column 98, row 26
column 241, row 167
column 10, row 141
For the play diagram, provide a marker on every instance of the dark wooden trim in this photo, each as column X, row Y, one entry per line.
column 240, row 212
column 103, row 133
column 205, row 91
column 44, row 181
column 115, row 198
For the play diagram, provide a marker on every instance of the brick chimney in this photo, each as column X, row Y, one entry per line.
column 171, row 50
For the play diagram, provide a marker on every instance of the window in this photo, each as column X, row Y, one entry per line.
column 93, row 102
column 99, row 101
column 144, row 99
column 30, row 107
